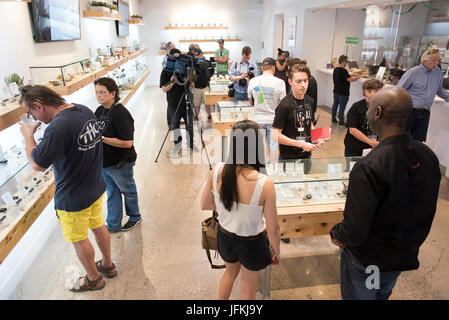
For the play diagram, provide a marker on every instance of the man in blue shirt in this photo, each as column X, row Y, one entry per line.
column 72, row 144
column 241, row 72
column 423, row 82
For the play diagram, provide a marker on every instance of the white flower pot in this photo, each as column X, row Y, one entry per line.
column 100, row 9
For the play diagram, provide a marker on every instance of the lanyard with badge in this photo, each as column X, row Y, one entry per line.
column 300, row 120
column 103, row 121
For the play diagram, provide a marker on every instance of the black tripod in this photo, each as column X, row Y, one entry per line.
column 190, row 111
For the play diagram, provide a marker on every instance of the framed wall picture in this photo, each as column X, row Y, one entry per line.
column 291, row 27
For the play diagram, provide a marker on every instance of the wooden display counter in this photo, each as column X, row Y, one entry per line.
column 10, row 114
column 213, row 98
column 78, row 82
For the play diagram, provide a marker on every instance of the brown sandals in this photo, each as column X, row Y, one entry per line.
column 109, row 272
column 96, row 284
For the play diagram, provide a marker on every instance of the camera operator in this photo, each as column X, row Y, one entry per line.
column 168, row 47
column 204, row 71
column 241, row 72
column 175, row 96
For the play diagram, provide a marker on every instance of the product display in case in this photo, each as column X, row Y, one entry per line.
column 20, row 185
column 311, row 181
column 62, row 75
column 230, row 110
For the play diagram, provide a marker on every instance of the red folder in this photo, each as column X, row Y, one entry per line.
column 321, row 133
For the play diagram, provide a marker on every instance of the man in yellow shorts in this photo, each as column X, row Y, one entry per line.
column 72, row 144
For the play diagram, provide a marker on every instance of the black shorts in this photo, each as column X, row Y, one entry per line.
column 254, row 255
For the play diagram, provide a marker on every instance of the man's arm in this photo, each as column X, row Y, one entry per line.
column 442, row 93
column 361, row 203
column 359, row 135
column 168, row 87
column 118, row 143
column 28, row 134
column 406, row 80
column 354, row 78
column 280, row 138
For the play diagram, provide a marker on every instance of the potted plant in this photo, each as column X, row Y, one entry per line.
column 135, row 18
column 99, row 6
column 14, row 82
column 113, row 8
column 14, row 78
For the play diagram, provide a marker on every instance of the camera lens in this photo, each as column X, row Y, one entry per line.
column 243, row 82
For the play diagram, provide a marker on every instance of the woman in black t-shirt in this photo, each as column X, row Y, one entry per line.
column 359, row 135
column 119, row 157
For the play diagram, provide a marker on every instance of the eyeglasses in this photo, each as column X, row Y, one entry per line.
column 29, row 115
column 432, row 51
column 101, row 92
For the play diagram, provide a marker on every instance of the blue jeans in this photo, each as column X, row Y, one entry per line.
column 341, row 101
column 417, row 124
column 272, row 145
column 240, row 96
column 121, row 181
column 353, row 278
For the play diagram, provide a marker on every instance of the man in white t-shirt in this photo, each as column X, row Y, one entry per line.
column 264, row 93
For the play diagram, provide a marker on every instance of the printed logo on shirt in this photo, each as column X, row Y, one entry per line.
column 89, row 136
column 265, row 94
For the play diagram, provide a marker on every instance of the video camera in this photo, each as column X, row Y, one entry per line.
column 186, row 68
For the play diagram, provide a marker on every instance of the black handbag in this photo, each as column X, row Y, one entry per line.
column 209, row 229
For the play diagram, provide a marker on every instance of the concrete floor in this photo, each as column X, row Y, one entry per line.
column 163, row 259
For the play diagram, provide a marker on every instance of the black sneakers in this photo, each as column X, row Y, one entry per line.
column 130, row 225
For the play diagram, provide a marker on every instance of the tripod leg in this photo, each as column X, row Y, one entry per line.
column 169, row 128
column 200, row 131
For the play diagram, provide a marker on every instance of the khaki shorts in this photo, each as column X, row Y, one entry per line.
column 199, row 96
column 76, row 224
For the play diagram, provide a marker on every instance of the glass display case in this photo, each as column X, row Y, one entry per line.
column 20, row 185
column 235, row 111
column 311, row 181
column 64, row 75
column 128, row 75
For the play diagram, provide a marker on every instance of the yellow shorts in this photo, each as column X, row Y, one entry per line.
column 76, row 224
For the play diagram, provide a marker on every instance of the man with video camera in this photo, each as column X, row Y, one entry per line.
column 204, row 71
column 175, row 98
column 241, row 72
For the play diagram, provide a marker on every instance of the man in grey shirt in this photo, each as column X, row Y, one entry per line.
column 423, row 82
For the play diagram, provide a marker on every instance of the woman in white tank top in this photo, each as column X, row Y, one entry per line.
column 245, row 201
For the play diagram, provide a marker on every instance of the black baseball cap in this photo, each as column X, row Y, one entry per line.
column 268, row 62
column 173, row 51
column 220, row 41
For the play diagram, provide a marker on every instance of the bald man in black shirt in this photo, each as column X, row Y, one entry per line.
column 390, row 205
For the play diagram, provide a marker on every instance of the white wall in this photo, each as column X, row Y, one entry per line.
column 350, row 23
column 244, row 19
column 317, row 39
column 19, row 53
column 311, row 34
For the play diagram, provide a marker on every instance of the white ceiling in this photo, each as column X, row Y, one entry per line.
column 360, row 4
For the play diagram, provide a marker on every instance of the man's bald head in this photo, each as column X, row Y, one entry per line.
column 389, row 107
